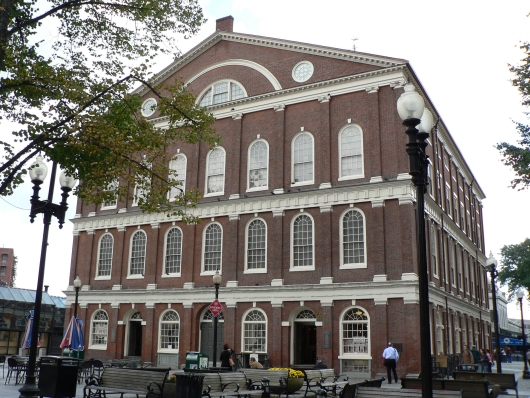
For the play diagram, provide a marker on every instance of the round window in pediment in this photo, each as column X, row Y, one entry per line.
column 302, row 71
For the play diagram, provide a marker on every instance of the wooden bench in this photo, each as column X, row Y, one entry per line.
column 374, row 392
column 506, row 381
column 326, row 379
column 213, row 387
column 470, row 389
column 229, row 380
column 273, row 380
column 349, row 389
column 126, row 381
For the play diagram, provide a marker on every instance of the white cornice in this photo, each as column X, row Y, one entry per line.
column 271, row 203
column 309, row 92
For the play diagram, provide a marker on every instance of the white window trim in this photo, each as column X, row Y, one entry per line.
column 167, row 350
column 206, row 194
column 243, row 318
column 172, row 274
column 136, row 276
column 203, row 272
column 291, row 241
column 354, row 176
column 341, row 234
column 266, row 187
column 183, row 186
column 114, row 206
column 363, row 355
column 205, row 90
column 309, row 182
column 104, row 277
column 261, row 270
column 98, row 346
column 436, row 273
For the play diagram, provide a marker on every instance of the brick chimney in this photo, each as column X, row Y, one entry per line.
column 225, row 24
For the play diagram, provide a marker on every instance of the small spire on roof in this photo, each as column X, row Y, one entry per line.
column 354, row 39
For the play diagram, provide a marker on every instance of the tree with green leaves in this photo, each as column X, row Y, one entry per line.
column 518, row 156
column 515, row 268
column 70, row 97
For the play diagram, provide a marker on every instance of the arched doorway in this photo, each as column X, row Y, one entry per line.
column 304, row 338
column 206, row 337
column 133, row 335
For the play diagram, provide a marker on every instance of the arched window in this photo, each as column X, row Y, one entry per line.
column 258, row 164
column 222, row 92
column 213, row 248
column 169, row 331
column 178, row 164
column 351, row 152
column 355, row 336
column 256, row 245
column 255, row 332
column 215, row 179
column 302, row 242
column 353, row 240
column 106, row 245
column 99, row 327
column 173, row 256
column 303, row 159
column 138, row 244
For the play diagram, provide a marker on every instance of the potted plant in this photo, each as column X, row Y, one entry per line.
column 295, row 380
column 170, row 387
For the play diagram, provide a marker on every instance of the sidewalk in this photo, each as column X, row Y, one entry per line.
column 11, row 391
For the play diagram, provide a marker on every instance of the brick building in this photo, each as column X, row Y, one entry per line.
column 308, row 214
column 8, row 263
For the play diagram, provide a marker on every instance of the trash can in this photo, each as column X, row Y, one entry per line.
column 58, row 377
column 196, row 360
column 189, row 385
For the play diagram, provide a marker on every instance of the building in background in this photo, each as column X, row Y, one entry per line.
column 308, row 214
column 15, row 305
column 8, row 267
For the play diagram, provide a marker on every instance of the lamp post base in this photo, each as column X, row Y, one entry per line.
column 29, row 390
column 526, row 374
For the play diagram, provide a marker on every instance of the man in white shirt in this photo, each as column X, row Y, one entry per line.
column 391, row 357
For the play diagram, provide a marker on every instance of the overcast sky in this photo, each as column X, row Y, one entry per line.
column 458, row 49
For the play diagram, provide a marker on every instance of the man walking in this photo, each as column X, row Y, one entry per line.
column 391, row 357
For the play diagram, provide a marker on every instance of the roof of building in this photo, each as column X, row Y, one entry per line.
column 28, row 296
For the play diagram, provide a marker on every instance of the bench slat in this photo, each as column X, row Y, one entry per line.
column 374, row 392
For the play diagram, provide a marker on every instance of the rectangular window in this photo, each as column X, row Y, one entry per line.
column 254, row 339
column 3, row 270
column 4, row 257
column 462, row 217
column 439, row 188
column 468, row 216
column 456, row 209
column 220, row 93
column 448, row 200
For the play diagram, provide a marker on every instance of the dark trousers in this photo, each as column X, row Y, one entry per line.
column 390, row 364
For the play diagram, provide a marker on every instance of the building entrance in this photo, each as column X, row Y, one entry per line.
column 135, row 339
column 206, row 346
column 305, row 338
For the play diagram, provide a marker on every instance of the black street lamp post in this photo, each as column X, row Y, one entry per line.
column 491, row 267
column 520, row 295
column 77, row 286
column 411, row 109
column 38, row 172
column 216, row 281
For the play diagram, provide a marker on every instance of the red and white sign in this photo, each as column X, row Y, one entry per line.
column 216, row 307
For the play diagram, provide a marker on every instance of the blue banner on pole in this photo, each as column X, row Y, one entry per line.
column 509, row 341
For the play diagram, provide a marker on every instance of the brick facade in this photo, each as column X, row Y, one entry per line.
column 346, row 89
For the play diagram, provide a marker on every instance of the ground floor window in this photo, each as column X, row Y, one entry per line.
column 355, row 366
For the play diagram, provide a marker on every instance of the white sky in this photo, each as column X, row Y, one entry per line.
column 458, row 49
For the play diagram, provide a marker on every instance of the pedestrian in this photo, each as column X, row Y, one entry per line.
column 476, row 355
column 255, row 364
column 467, row 359
column 490, row 359
column 226, row 357
column 320, row 364
column 391, row 357
column 484, row 361
column 509, row 354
